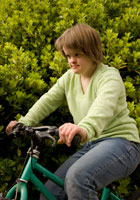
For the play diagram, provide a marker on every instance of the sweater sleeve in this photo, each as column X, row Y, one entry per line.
column 109, row 88
column 48, row 103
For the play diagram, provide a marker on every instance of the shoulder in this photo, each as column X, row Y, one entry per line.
column 69, row 74
column 106, row 72
column 106, row 69
column 108, row 77
column 66, row 78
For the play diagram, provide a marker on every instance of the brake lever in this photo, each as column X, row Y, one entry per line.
column 44, row 128
column 44, row 135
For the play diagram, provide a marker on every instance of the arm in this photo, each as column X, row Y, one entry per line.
column 110, row 91
column 49, row 102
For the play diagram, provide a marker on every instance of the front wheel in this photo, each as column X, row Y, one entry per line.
column 135, row 195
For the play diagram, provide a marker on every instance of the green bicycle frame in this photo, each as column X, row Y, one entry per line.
column 108, row 194
column 28, row 175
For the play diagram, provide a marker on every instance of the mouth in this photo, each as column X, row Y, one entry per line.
column 74, row 66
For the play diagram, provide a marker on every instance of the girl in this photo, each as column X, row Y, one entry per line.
column 96, row 99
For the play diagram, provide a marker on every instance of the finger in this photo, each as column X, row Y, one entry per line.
column 60, row 141
column 8, row 129
column 10, row 126
column 67, row 132
column 62, row 132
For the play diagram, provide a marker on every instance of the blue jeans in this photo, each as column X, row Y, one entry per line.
column 93, row 167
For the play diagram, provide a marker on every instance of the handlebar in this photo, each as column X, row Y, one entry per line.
column 41, row 133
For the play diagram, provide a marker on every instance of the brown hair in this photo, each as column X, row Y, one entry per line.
column 82, row 37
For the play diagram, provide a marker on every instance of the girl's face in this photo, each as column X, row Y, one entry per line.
column 79, row 62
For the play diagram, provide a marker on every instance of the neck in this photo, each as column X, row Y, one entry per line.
column 87, row 75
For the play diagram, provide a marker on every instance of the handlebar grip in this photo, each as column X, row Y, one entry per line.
column 76, row 140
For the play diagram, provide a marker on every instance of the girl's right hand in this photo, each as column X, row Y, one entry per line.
column 67, row 132
column 10, row 126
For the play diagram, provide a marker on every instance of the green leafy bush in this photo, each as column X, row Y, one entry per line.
column 30, row 65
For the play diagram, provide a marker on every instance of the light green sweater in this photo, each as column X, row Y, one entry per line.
column 101, row 111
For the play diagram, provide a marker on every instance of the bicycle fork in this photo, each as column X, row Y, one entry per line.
column 28, row 175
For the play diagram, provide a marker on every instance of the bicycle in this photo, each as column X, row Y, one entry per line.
column 39, row 134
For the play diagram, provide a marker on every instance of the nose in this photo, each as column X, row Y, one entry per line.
column 72, row 59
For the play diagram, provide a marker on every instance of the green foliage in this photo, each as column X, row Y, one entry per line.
column 7, row 167
column 123, row 187
column 30, row 65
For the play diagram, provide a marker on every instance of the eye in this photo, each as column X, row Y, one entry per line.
column 67, row 56
column 77, row 54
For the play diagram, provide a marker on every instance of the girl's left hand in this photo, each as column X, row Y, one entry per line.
column 67, row 132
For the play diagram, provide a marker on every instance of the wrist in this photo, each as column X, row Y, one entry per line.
column 83, row 135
